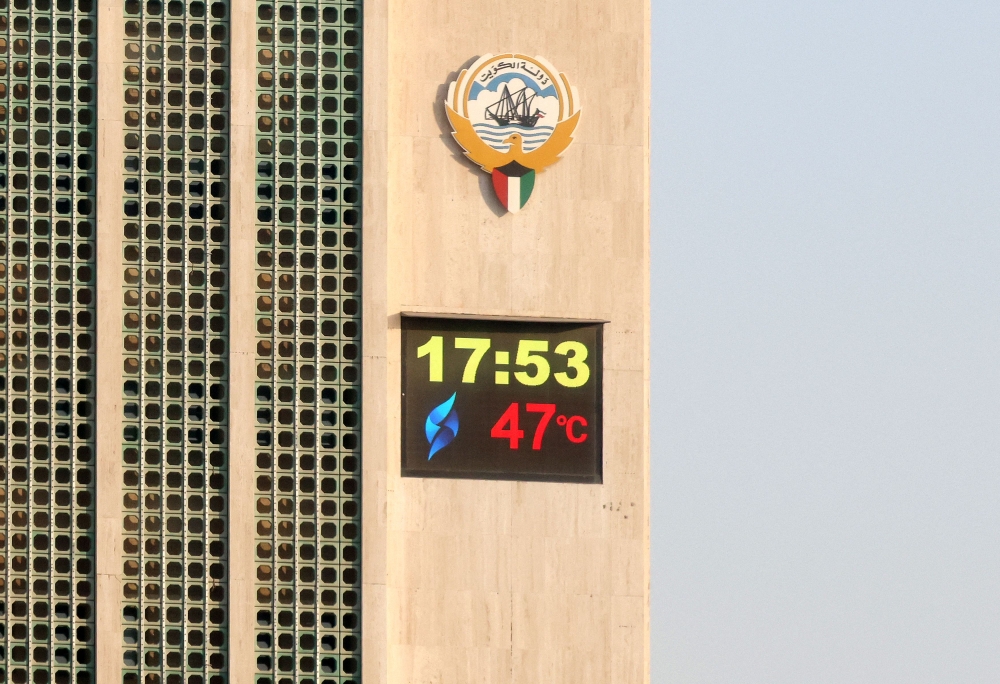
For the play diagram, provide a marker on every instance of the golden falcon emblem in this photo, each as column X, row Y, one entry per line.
column 514, row 116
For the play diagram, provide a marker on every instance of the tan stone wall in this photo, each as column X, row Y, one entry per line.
column 242, row 421
column 110, row 113
column 474, row 581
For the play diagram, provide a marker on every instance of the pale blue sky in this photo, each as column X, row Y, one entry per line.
column 826, row 319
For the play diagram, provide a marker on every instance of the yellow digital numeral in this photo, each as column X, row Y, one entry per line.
column 435, row 348
column 577, row 355
column 525, row 357
column 479, row 347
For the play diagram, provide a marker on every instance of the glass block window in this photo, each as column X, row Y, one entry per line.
column 47, row 317
column 175, row 277
column 308, row 252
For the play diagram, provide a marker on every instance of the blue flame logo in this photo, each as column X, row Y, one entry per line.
column 441, row 426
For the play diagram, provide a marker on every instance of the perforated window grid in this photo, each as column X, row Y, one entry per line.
column 47, row 138
column 308, row 252
column 175, row 341
column 47, row 143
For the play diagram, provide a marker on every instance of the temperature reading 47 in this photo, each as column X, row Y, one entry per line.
column 508, row 426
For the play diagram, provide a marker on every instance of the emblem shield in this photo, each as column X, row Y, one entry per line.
column 513, row 184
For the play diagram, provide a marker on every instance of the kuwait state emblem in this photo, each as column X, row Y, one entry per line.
column 513, row 115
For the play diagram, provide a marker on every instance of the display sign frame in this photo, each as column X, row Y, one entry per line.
column 452, row 440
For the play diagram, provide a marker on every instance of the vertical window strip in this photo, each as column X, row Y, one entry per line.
column 175, row 339
column 47, row 138
column 308, row 252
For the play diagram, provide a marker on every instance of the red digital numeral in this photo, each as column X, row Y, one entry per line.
column 510, row 420
column 547, row 411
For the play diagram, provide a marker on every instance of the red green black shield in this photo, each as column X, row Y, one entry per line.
column 513, row 184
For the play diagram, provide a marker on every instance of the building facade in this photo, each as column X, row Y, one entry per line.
column 215, row 217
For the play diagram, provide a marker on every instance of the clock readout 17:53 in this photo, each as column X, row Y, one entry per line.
column 532, row 355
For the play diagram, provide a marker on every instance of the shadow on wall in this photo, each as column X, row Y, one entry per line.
column 485, row 180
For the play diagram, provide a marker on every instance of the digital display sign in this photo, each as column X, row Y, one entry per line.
column 501, row 399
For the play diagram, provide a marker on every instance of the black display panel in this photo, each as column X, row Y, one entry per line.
column 501, row 399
